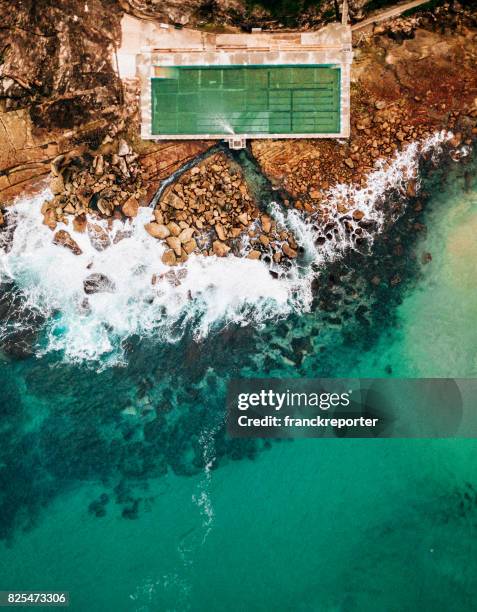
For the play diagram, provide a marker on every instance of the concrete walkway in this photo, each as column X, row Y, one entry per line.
column 389, row 13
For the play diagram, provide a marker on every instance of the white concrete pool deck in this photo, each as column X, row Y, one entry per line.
column 147, row 45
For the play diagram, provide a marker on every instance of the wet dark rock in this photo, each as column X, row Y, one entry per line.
column 85, row 307
column 302, row 344
column 7, row 230
column 98, row 283
column 19, row 323
column 368, row 224
column 419, row 227
column 19, row 345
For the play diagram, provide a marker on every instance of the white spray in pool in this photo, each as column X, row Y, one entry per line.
column 211, row 292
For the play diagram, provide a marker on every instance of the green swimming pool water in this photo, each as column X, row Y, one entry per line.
column 246, row 100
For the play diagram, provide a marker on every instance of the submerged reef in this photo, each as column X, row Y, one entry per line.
column 161, row 409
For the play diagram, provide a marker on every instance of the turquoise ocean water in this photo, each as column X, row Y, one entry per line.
column 120, row 486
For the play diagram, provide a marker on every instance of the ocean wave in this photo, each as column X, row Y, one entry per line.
column 150, row 299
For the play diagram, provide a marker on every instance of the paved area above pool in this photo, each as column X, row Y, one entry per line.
column 196, row 85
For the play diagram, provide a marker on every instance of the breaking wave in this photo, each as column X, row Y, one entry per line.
column 147, row 298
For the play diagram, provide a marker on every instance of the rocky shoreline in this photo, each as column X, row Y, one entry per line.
column 211, row 210
column 411, row 77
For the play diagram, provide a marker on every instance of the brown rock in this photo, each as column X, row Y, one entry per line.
column 169, row 258
column 254, row 254
column 57, row 185
column 158, row 216
column 176, row 202
column 220, row 248
column 265, row 240
column 123, row 148
column 175, row 244
column 174, row 228
column 84, row 196
column 380, row 104
column 358, row 215
column 62, row 238
column 349, row 162
column 130, row 207
column 189, row 246
column 411, row 188
column 124, row 167
column 266, row 223
column 220, row 231
column 456, row 140
column 243, row 218
column 99, row 168
column 186, row 234
column 156, row 230
column 47, row 205
column 289, row 252
column 49, row 219
column 79, row 223
column 56, row 164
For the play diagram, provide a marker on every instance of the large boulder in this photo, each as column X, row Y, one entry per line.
column 62, row 238
column 130, row 207
column 156, row 230
column 220, row 248
column 98, row 236
column 98, row 283
column 175, row 244
column 169, row 258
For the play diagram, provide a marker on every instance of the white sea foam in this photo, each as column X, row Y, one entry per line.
column 211, row 291
column 389, row 175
